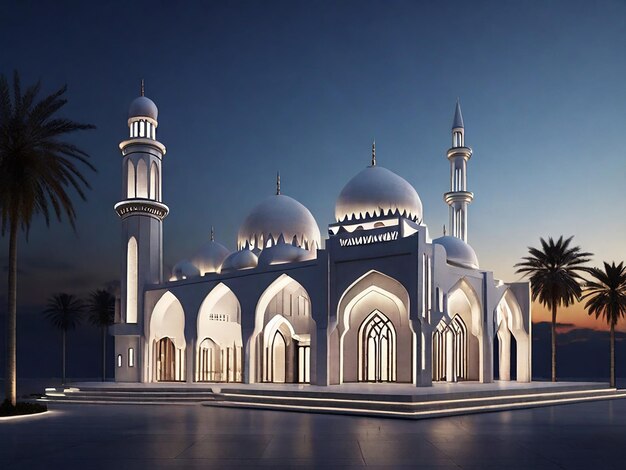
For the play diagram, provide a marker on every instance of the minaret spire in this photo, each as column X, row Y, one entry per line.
column 278, row 183
column 458, row 198
column 458, row 117
column 143, row 91
column 212, row 233
column 374, row 153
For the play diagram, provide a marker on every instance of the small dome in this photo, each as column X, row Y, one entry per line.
column 377, row 191
column 279, row 215
column 242, row 259
column 143, row 107
column 209, row 257
column 283, row 253
column 458, row 253
column 184, row 269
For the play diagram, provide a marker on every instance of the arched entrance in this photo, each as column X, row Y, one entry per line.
column 285, row 327
column 450, row 351
column 457, row 345
column 168, row 361
column 373, row 339
column 510, row 335
column 167, row 340
column 278, row 360
column 377, row 349
column 219, row 353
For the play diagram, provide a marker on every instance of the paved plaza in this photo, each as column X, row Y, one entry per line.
column 581, row 436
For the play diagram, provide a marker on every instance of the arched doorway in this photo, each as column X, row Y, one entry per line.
column 167, row 340
column 168, row 367
column 512, row 340
column 377, row 349
column 278, row 360
column 450, row 351
column 283, row 333
column 463, row 335
column 220, row 352
column 373, row 339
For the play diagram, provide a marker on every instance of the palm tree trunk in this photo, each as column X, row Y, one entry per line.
column 63, row 376
column 11, row 364
column 553, row 341
column 104, row 353
column 612, row 355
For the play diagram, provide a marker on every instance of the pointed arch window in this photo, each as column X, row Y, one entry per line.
column 154, row 182
column 130, row 190
column 450, row 351
column 377, row 349
column 142, row 179
column 131, row 281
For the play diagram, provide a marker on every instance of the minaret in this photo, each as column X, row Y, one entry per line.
column 458, row 198
column 141, row 209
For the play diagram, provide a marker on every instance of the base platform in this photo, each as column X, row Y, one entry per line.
column 379, row 400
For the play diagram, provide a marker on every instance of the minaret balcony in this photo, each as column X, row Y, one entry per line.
column 138, row 206
column 458, row 196
column 464, row 152
column 141, row 141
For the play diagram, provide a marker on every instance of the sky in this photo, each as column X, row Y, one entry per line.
column 246, row 89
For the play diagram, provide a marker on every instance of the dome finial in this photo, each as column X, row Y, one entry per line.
column 142, row 88
column 374, row 152
column 444, row 230
column 212, row 233
column 278, row 183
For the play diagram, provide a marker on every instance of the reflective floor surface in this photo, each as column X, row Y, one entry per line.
column 582, row 436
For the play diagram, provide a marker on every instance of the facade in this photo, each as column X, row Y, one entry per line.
column 380, row 302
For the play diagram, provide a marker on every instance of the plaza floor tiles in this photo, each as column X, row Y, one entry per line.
column 583, row 436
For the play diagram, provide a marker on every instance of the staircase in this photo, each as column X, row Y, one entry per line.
column 413, row 406
column 389, row 402
column 128, row 395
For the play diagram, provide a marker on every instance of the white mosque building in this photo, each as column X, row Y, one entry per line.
column 381, row 302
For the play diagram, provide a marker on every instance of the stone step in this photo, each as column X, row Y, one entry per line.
column 413, row 410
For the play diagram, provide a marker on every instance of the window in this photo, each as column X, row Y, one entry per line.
column 131, row 281
column 131, row 357
column 377, row 349
column 119, row 360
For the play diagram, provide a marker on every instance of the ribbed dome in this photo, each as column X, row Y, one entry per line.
column 282, row 253
column 242, row 259
column 143, row 107
column 377, row 191
column 458, row 252
column 184, row 269
column 209, row 257
column 279, row 215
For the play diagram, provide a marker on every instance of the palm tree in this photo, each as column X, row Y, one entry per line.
column 37, row 168
column 606, row 297
column 554, row 278
column 101, row 308
column 65, row 312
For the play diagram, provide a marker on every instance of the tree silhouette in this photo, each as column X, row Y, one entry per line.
column 37, row 168
column 101, row 309
column 554, row 272
column 606, row 298
column 65, row 313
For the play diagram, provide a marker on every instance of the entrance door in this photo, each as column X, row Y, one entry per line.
column 377, row 349
column 168, row 361
column 279, row 362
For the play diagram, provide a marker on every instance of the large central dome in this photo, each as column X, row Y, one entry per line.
column 279, row 215
column 377, row 191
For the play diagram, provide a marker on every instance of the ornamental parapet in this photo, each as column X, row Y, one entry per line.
column 147, row 207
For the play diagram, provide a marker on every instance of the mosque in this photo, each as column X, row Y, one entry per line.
column 379, row 301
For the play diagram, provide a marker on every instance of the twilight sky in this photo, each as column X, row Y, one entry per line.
column 248, row 88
